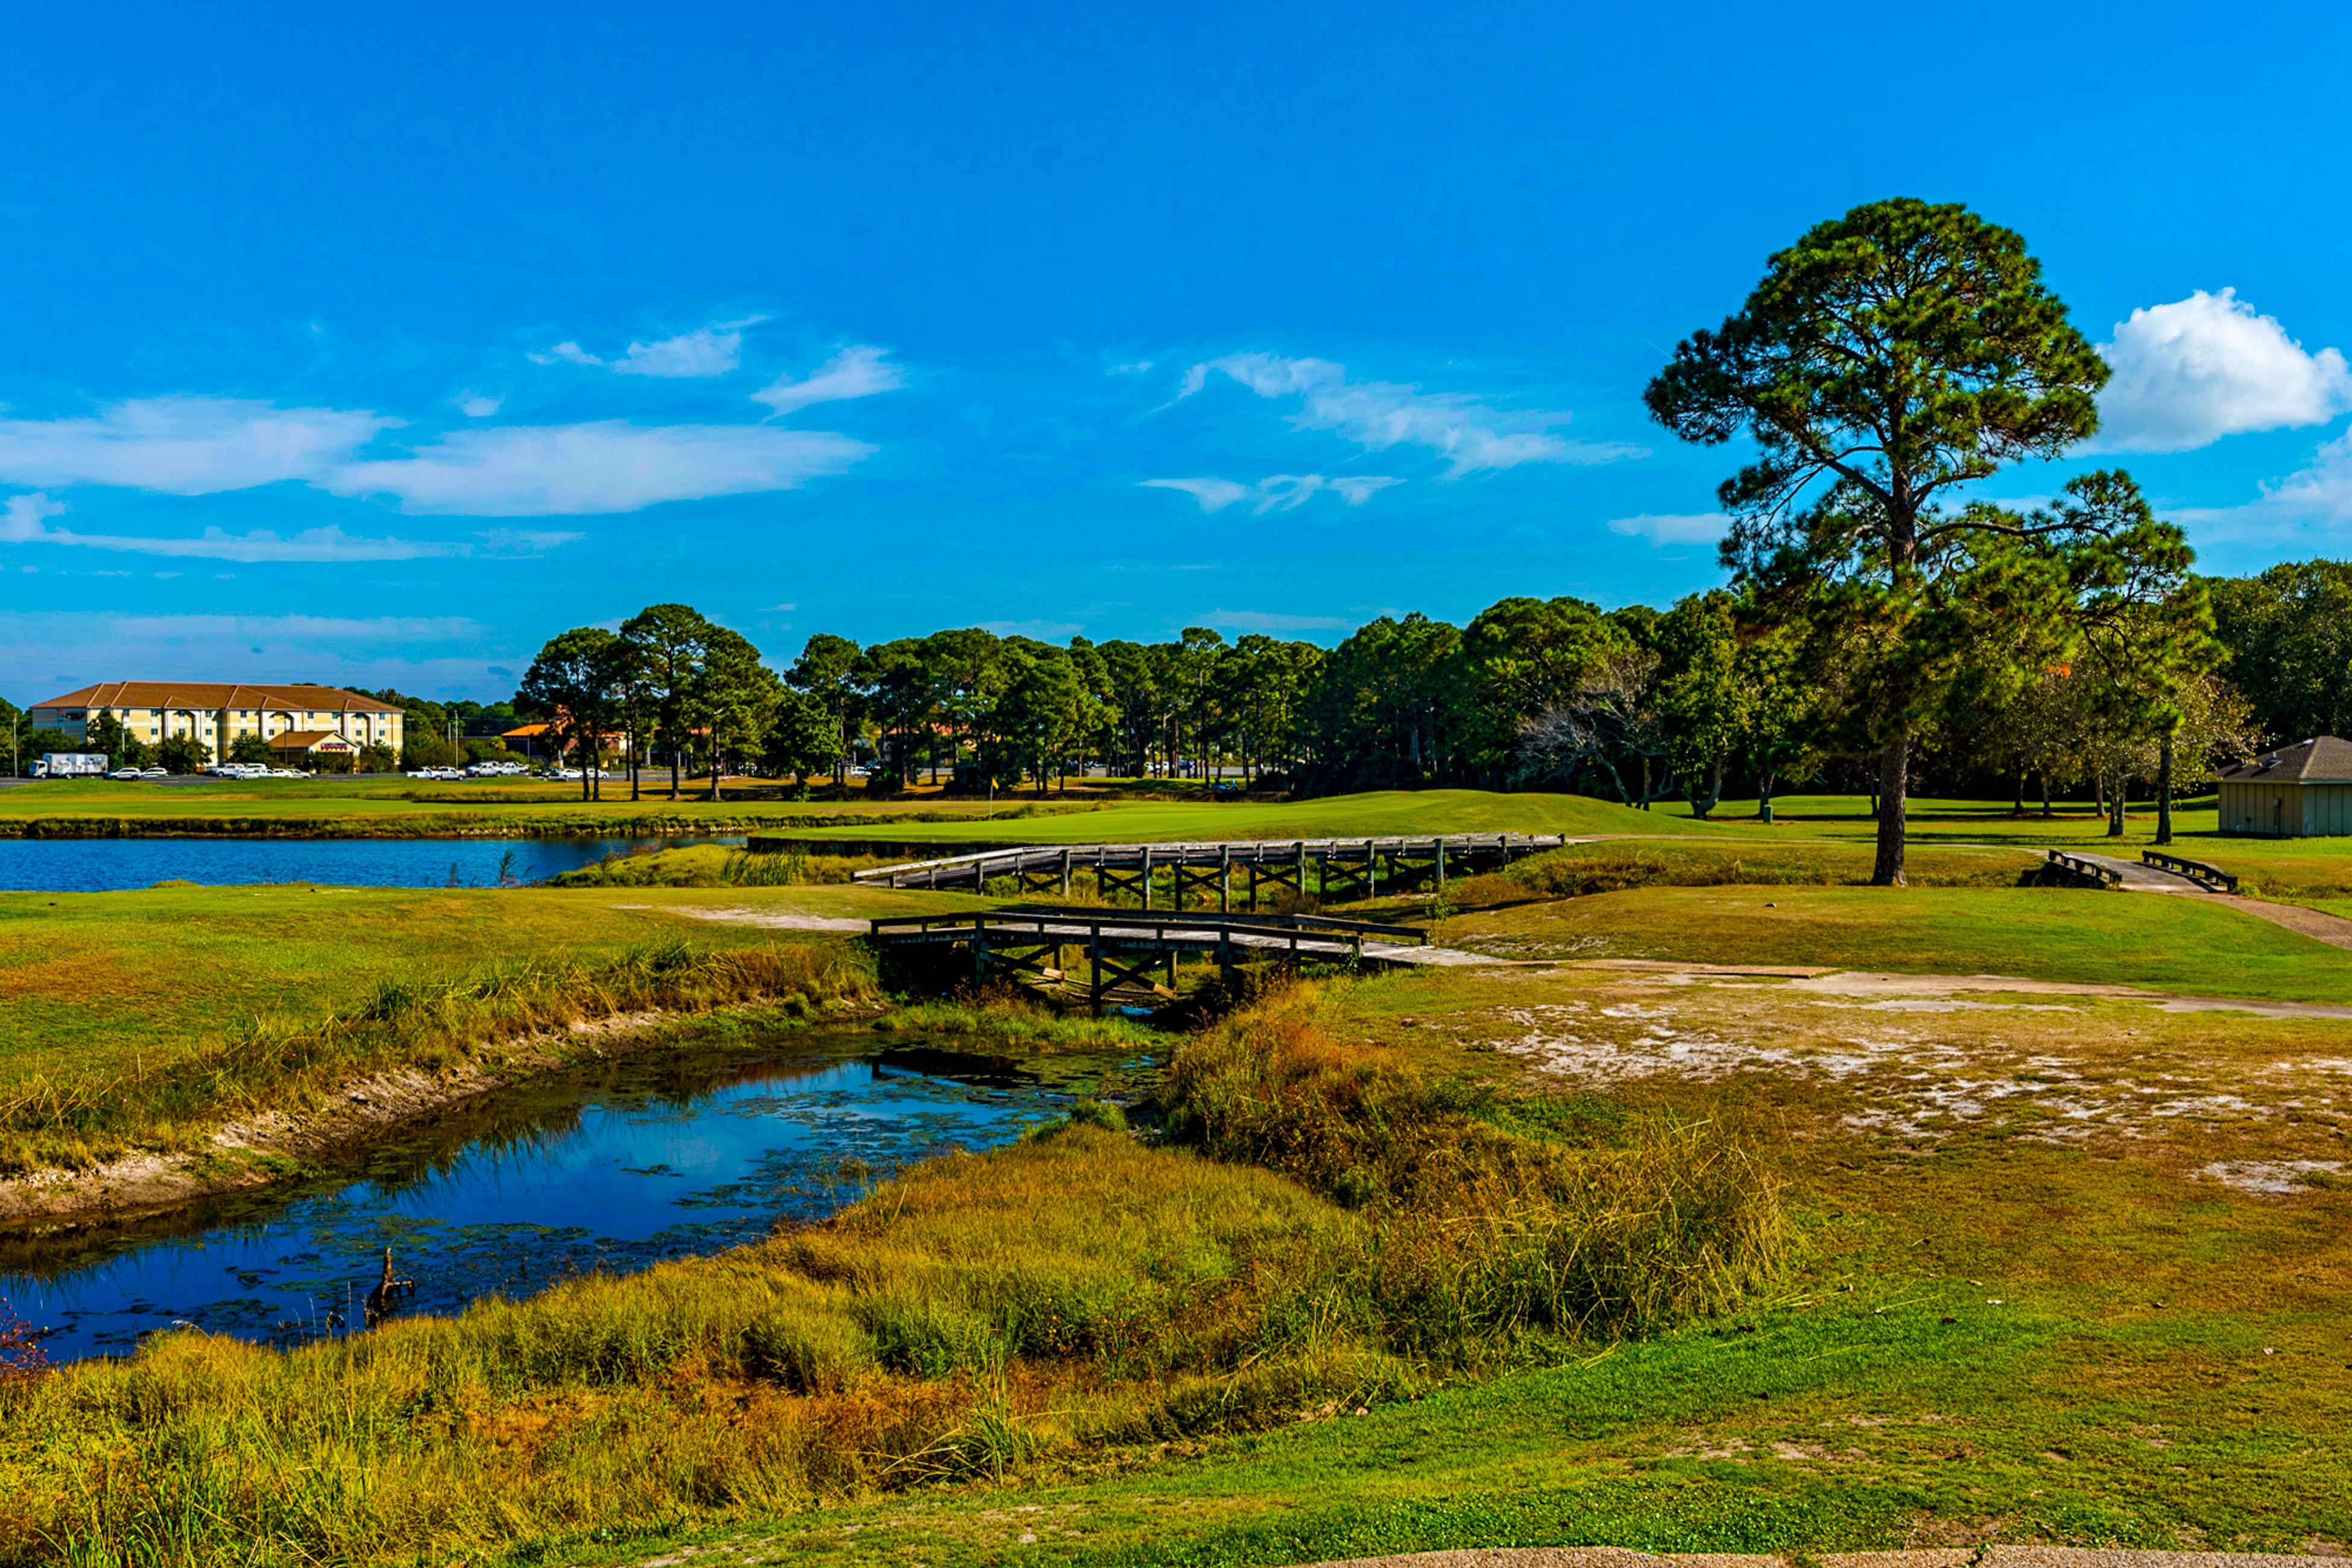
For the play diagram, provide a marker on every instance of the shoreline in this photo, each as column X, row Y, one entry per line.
column 261, row 1151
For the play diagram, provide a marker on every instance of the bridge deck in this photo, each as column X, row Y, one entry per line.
column 1124, row 948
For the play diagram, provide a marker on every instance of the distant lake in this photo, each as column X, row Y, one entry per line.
column 112, row 865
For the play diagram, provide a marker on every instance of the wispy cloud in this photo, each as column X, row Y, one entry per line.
column 1273, row 622
column 606, row 466
column 707, row 350
column 857, row 372
column 565, row 353
column 713, row 350
column 1042, row 631
column 1674, row 528
column 1275, row 492
column 2191, row 372
column 1378, row 415
column 188, row 446
column 478, row 404
column 2313, row 503
column 25, row 520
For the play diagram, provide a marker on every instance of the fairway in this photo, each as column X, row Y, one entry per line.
column 2097, row 938
column 1380, row 814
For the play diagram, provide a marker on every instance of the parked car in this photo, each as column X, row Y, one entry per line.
column 124, row 773
column 154, row 772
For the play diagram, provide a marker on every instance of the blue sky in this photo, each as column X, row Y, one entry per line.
column 376, row 348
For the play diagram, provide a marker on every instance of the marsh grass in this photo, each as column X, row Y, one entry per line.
column 1486, row 1225
column 1005, row 1017
column 715, row 865
column 169, row 1099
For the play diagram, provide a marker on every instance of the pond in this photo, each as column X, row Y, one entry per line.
column 113, row 865
column 608, row 1168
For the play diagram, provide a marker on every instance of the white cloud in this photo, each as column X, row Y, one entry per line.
column 568, row 352
column 1378, row 415
column 479, row 404
column 706, row 351
column 1132, row 367
column 2194, row 370
column 1674, row 528
column 1042, row 631
column 1275, row 492
column 607, row 465
column 857, row 371
column 183, row 445
column 25, row 518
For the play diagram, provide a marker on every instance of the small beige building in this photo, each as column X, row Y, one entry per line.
column 217, row 712
column 2303, row 791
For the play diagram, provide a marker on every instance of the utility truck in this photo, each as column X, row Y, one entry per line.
column 70, row 765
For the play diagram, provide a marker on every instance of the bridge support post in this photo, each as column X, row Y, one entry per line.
column 1094, row 970
column 1066, row 873
column 1147, row 877
column 1225, row 881
column 1302, row 872
column 1437, row 853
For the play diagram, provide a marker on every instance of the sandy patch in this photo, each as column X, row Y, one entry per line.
column 2271, row 1176
column 773, row 919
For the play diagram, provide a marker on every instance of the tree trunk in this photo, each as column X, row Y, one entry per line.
column 2019, row 809
column 1645, row 783
column 2046, row 813
column 1894, row 795
column 2116, row 821
column 633, row 792
column 2164, row 792
column 1764, row 798
column 673, row 767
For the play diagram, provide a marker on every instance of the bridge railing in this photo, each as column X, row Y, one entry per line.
column 1038, row 917
column 2085, row 870
column 2197, row 871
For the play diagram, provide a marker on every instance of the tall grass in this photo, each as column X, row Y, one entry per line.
column 1480, row 1230
column 977, row 1314
column 275, row 1062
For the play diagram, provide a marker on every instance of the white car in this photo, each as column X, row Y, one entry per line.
column 124, row 774
column 154, row 772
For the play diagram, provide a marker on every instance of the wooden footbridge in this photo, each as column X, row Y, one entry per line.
column 1345, row 869
column 1127, row 952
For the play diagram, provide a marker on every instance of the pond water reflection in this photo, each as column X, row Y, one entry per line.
column 611, row 1168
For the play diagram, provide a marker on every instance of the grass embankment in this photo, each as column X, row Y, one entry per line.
column 1342, row 1229
column 1579, row 871
column 128, row 1018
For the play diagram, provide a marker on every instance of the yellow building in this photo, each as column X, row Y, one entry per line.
column 216, row 713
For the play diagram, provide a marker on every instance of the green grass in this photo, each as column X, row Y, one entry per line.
column 1378, row 814
column 96, row 989
column 392, row 806
column 2109, row 938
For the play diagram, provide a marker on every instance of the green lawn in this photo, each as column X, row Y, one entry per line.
column 1375, row 815
column 91, row 982
column 385, row 805
column 2112, row 938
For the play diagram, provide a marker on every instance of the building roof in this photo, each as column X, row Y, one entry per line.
column 304, row 740
column 2325, row 759
column 213, row 695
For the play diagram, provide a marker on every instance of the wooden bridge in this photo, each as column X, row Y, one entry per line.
column 1125, row 950
column 1346, row 869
